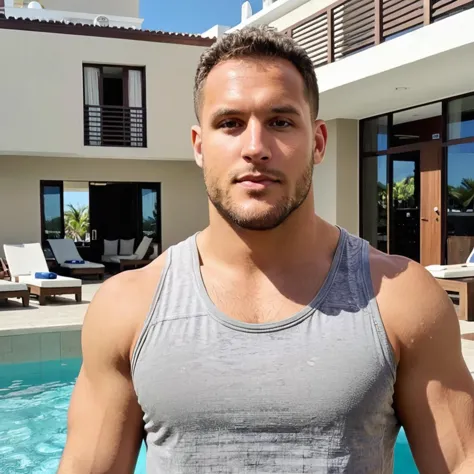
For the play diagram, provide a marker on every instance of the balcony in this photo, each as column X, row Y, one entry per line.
column 349, row 26
column 114, row 126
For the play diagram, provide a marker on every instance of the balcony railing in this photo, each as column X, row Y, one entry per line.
column 350, row 26
column 109, row 125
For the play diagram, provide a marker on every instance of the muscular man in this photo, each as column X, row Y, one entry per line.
column 271, row 341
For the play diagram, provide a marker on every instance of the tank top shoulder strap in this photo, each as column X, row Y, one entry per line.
column 352, row 292
column 173, row 297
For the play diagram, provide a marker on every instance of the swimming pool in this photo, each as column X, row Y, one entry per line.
column 34, row 399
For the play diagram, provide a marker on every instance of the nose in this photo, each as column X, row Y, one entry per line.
column 255, row 142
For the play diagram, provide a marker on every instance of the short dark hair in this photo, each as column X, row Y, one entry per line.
column 257, row 42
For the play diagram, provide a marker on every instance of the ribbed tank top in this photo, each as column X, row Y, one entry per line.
column 310, row 394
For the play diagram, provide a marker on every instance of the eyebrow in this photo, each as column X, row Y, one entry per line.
column 279, row 109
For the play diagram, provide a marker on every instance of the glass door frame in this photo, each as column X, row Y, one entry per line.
column 422, row 147
column 391, row 158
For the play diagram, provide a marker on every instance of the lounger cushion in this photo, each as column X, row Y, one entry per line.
column 143, row 247
column 25, row 259
column 82, row 266
column 110, row 247
column 65, row 249
column 462, row 270
column 60, row 282
column 117, row 258
column 6, row 285
column 126, row 246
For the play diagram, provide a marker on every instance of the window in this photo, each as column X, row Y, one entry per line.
column 65, row 210
column 416, row 125
column 374, row 201
column 150, row 212
column 460, row 180
column 375, row 134
column 76, row 211
column 461, row 118
column 52, row 224
column 114, row 106
column 88, row 212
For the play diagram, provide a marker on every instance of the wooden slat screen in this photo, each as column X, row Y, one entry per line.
column 443, row 8
column 313, row 36
column 354, row 27
column 349, row 26
column 399, row 16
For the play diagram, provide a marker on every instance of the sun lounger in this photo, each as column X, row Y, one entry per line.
column 66, row 254
column 9, row 289
column 27, row 264
column 462, row 270
column 133, row 259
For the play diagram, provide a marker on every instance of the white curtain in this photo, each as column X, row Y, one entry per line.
column 92, row 99
column 136, row 114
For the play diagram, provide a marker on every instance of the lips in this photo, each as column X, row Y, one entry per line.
column 256, row 182
column 256, row 178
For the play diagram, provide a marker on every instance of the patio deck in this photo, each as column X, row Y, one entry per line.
column 63, row 314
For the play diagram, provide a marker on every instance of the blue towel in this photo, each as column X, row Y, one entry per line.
column 78, row 262
column 46, row 275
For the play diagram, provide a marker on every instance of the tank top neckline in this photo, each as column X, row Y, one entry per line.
column 288, row 322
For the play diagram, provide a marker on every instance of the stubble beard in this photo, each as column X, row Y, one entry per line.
column 258, row 220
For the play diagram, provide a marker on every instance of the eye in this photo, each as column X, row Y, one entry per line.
column 229, row 124
column 280, row 123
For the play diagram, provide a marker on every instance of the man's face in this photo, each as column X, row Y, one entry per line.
column 257, row 143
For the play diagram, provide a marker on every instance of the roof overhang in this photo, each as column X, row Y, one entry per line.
column 426, row 65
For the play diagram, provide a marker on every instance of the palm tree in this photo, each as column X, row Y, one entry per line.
column 404, row 192
column 464, row 193
column 76, row 220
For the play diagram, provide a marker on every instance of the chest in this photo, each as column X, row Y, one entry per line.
column 310, row 373
column 260, row 300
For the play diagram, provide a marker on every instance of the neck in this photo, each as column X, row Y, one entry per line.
column 302, row 238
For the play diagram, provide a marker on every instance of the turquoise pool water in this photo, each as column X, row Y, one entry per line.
column 34, row 399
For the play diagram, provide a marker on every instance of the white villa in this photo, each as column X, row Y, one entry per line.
column 94, row 106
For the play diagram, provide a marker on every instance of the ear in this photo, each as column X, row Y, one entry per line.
column 320, row 141
column 196, row 137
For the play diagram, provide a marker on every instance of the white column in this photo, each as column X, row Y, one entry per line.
column 336, row 179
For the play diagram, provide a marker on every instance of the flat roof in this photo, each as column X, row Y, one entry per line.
column 68, row 28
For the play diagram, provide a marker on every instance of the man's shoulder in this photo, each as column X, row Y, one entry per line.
column 396, row 276
column 131, row 285
column 119, row 308
column 411, row 301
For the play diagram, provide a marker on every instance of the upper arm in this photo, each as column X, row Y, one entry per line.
column 434, row 392
column 105, row 423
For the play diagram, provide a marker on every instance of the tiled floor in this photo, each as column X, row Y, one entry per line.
column 63, row 314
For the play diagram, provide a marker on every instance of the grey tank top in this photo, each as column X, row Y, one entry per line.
column 310, row 394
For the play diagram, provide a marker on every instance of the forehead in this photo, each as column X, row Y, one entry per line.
column 253, row 81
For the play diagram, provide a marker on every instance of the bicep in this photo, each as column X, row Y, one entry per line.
column 435, row 392
column 104, row 426
column 105, row 423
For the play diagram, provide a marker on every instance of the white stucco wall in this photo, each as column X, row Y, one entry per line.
column 183, row 198
column 336, row 179
column 41, row 77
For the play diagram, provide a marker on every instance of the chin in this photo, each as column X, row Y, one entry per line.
column 258, row 217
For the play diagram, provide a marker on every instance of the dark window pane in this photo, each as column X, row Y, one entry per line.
column 375, row 134
column 461, row 118
column 150, row 212
column 52, row 212
column 405, row 206
column 461, row 189
column 374, row 201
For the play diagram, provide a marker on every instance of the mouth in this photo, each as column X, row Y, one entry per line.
column 256, row 181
